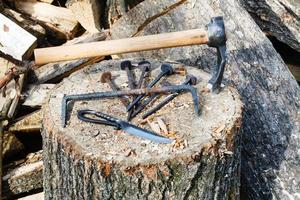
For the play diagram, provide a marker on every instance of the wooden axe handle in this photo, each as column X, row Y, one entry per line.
column 111, row 47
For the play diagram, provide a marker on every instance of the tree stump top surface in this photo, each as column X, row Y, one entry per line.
column 219, row 114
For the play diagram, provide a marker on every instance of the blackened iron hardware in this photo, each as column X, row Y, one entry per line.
column 190, row 80
column 146, row 91
column 166, row 69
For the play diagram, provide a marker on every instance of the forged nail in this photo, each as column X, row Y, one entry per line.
column 144, row 104
column 166, row 69
column 126, row 65
column 146, row 67
column 146, row 91
column 106, row 77
column 190, row 80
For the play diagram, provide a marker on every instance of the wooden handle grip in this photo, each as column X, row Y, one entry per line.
column 111, row 47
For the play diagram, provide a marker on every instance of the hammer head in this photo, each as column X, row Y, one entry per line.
column 105, row 76
column 125, row 64
column 217, row 39
column 146, row 65
column 190, row 79
column 216, row 32
column 167, row 69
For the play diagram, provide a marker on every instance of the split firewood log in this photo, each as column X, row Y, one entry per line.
column 37, row 196
column 58, row 20
column 28, row 24
column 23, row 44
column 11, row 145
column 88, row 13
column 30, row 123
column 23, row 177
column 47, row 1
column 35, row 95
column 114, row 9
column 271, row 96
column 278, row 18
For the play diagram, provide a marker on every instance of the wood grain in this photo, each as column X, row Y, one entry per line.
column 111, row 47
column 14, row 40
column 59, row 20
column 87, row 12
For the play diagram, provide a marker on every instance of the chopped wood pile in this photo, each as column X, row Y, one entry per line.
column 269, row 92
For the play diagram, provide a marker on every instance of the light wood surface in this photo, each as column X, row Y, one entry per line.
column 46, row 1
column 25, row 22
column 14, row 40
column 87, row 12
column 36, row 94
column 57, row 70
column 104, row 48
column 57, row 19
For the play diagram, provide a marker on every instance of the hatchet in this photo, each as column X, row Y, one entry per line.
column 213, row 35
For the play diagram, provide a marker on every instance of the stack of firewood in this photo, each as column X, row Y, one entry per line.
column 28, row 24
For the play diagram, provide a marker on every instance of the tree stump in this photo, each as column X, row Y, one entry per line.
column 271, row 133
column 90, row 161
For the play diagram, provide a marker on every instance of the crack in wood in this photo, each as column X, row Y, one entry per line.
column 164, row 12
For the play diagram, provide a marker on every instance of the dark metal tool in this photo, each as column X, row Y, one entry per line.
column 119, row 124
column 107, row 78
column 217, row 39
column 190, row 80
column 146, row 67
column 143, row 104
column 166, row 69
column 145, row 91
column 126, row 65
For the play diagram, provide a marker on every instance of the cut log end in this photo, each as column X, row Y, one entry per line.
column 94, row 156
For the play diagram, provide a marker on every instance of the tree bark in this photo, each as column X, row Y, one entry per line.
column 271, row 129
column 278, row 18
column 117, row 8
column 88, row 161
column 24, row 177
column 11, row 145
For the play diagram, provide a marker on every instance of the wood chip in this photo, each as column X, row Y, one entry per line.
column 154, row 126
column 162, row 125
column 219, row 129
column 130, row 152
